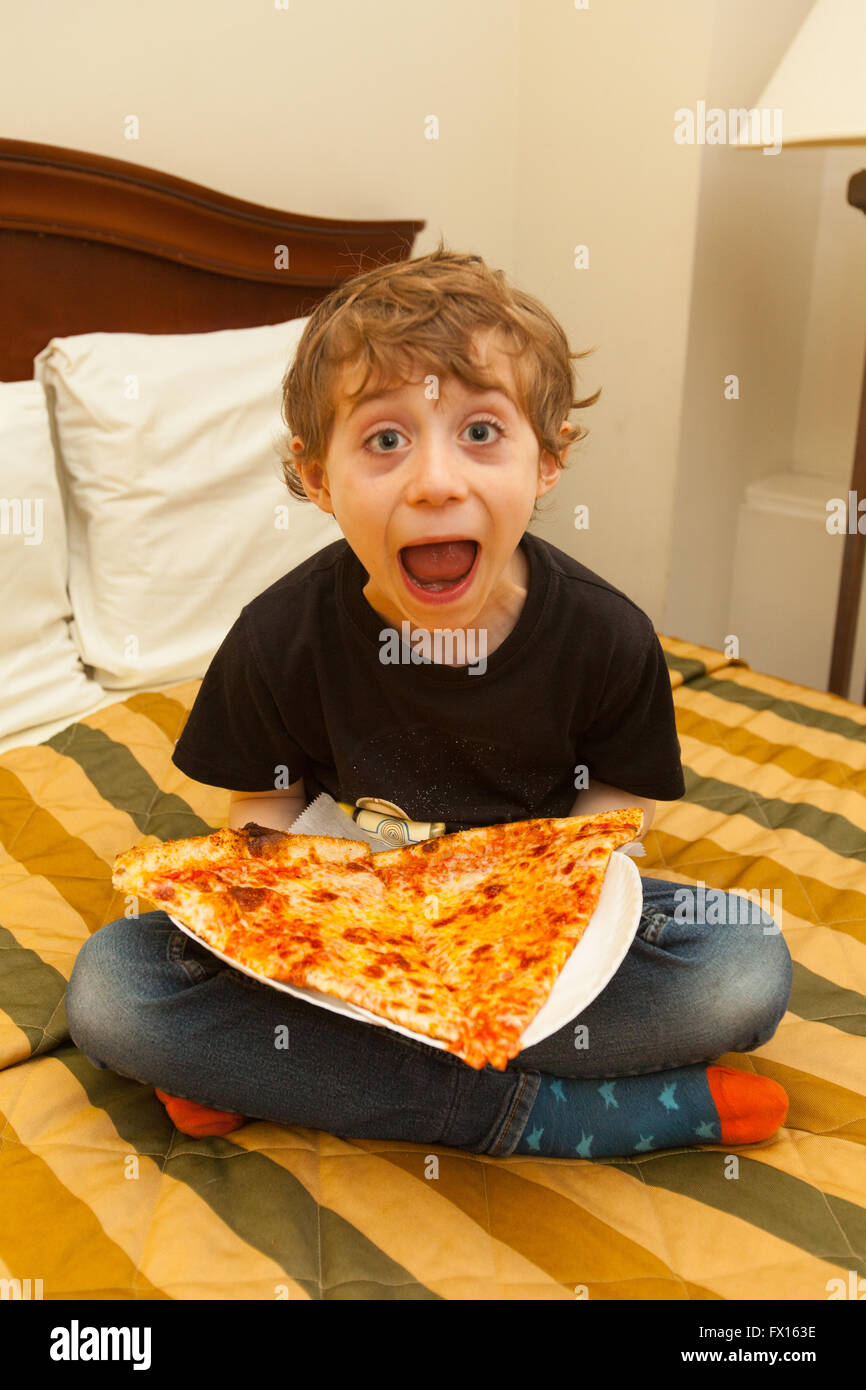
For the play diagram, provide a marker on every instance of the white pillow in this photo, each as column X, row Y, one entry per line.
column 176, row 507
column 41, row 675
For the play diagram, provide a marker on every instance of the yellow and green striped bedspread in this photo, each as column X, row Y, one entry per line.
column 103, row 1199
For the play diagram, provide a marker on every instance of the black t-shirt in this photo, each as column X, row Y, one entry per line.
column 298, row 683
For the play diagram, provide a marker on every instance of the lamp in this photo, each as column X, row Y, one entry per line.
column 820, row 89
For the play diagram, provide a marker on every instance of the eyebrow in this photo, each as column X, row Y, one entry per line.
column 386, row 395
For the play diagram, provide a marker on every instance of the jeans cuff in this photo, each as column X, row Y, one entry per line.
column 511, row 1122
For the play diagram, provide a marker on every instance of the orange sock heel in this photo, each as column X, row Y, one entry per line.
column 750, row 1107
column 200, row 1121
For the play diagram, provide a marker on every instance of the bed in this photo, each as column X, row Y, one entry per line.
column 103, row 1198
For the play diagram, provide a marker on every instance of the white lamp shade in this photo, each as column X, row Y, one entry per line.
column 820, row 85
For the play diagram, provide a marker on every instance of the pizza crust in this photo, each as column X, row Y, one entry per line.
column 254, row 845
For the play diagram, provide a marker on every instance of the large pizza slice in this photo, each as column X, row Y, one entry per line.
column 303, row 909
column 500, row 910
column 459, row 938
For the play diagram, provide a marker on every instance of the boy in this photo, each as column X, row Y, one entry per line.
column 428, row 405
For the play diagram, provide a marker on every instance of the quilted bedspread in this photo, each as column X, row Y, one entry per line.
column 103, row 1199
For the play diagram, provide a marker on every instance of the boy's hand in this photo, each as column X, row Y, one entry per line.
column 600, row 797
column 276, row 810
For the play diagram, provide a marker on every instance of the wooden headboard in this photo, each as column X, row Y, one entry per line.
column 91, row 244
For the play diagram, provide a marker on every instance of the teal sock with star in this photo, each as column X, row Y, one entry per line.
column 597, row 1118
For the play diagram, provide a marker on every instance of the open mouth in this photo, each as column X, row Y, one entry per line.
column 439, row 568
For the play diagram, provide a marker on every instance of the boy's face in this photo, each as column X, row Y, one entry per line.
column 403, row 469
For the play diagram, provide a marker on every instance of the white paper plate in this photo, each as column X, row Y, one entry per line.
column 591, row 965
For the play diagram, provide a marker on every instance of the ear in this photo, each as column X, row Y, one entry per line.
column 565, row 428
column 548, row 469
column 315, row 484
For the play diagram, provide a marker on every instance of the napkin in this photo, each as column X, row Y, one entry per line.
column 324, row 817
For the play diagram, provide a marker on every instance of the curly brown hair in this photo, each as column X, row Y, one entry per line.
column 426, row 311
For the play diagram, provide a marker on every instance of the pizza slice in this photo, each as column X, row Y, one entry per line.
column 500, row 925
column 299, row 909
column 459, row 938
column 365, row 960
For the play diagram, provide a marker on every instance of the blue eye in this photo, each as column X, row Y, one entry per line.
column 473, row 424
column 492, row 424
column 378, row 435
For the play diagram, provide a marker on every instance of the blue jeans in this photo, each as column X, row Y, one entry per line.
column 147, row 1001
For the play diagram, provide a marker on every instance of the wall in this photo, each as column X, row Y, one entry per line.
column 754, row 248
column 612, row 178
column 556, row 129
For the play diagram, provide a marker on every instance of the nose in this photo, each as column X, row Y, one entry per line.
column 436, row 472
